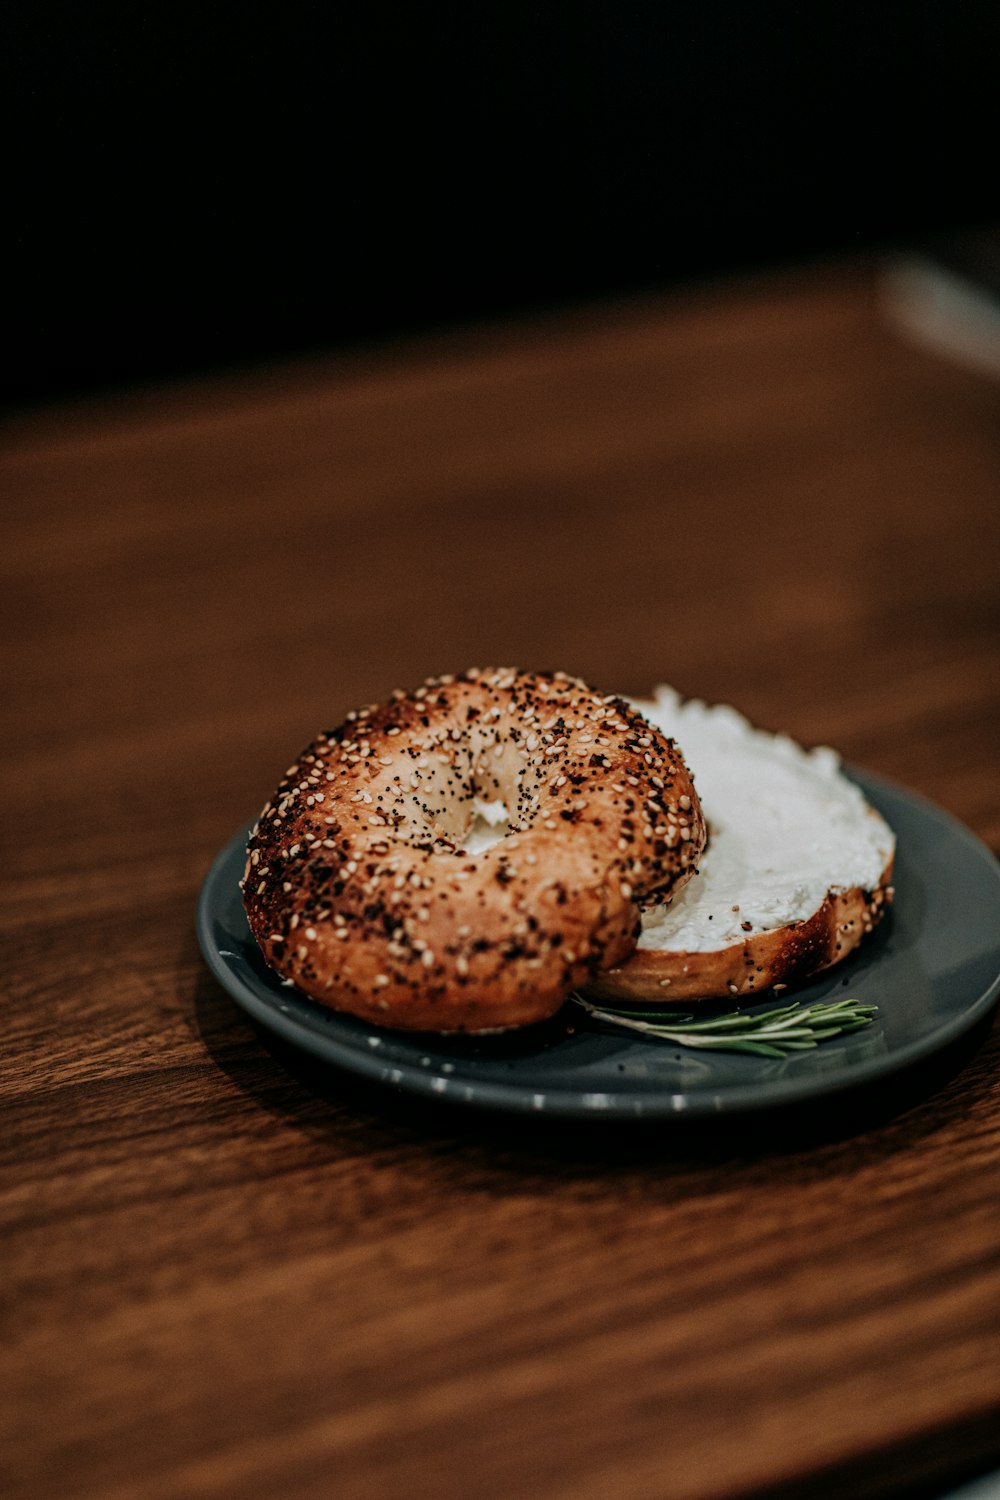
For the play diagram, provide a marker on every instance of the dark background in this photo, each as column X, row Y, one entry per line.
column 193, row 187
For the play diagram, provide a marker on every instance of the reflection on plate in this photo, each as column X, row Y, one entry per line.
column 933, row 969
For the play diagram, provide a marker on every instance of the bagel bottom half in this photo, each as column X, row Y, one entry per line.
column 796, row 872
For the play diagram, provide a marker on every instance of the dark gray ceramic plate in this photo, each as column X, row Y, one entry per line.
column 933, row 969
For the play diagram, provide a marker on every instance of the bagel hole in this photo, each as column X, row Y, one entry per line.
column 489, row 823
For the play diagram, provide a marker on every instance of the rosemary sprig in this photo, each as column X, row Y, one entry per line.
column 770, row 1033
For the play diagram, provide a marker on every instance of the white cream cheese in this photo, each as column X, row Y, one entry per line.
column 785, row 828
column 489, row 825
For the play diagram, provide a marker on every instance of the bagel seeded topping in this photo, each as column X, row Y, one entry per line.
column 362, row 852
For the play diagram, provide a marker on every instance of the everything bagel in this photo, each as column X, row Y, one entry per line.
column 358, row 887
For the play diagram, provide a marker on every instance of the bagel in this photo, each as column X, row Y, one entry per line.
column 359, row 887
column 796, row 872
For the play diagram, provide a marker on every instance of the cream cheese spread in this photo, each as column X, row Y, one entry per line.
column 785, row 828
column 489, row 825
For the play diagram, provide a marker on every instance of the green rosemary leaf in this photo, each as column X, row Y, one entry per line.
column 777, row 1032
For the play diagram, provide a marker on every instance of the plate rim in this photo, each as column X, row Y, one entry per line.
column 362, row 1059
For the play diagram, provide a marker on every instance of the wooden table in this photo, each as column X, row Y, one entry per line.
column 228, row 1273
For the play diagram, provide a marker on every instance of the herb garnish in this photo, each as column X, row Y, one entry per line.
column 777, row 1032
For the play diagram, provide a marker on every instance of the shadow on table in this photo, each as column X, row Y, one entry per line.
column 325, row 1101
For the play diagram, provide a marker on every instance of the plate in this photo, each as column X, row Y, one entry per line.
column 932, row 968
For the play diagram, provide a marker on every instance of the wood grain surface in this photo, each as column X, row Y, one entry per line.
column 228, row 1273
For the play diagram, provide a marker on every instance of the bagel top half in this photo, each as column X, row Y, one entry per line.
column 359, row 886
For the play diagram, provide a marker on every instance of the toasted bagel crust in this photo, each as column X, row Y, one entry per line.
column 779, row 956
column 357, row 887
